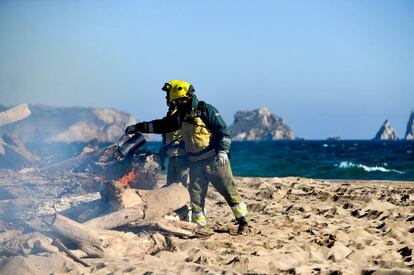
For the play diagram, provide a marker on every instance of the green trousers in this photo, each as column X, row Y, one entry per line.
column 221, row 177
column 178, row 171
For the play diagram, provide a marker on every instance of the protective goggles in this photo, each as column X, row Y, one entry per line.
column 167, row 87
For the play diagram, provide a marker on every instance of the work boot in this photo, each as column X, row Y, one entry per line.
column 243, row 228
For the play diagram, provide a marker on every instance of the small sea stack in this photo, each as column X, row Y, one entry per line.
column 409, row 133
column 386, row 132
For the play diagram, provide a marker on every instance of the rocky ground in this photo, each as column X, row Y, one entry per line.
column 298, row 225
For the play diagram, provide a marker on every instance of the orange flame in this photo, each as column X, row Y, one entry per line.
column 128, row 178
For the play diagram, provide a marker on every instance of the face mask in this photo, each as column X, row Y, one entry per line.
column 183, row 105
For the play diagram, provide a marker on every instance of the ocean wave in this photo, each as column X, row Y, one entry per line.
column 349, row 164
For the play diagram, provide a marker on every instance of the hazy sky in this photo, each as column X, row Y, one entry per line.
column 327, row 67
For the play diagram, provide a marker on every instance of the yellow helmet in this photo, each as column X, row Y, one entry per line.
column 178, row 89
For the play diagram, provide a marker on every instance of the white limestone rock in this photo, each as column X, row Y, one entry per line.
column 386, row 132
column 409, row 134
column 259, row 125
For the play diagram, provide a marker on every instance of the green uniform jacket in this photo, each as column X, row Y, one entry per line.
column 220, row 140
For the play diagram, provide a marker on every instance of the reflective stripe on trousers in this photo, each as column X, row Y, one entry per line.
column 239, row 210
column 200, row 219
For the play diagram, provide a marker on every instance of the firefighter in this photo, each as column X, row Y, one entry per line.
column 207, row 144
column 178, row 170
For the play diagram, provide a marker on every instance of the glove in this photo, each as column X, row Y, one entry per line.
column 134, row 128
column 222, row 158
column 131, row 129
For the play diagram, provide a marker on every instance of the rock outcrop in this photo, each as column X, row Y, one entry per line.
column 386, row 132
column 259, row 125
column 409, row 134
column 48, row 124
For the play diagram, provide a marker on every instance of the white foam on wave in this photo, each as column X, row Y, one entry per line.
column 349, row 164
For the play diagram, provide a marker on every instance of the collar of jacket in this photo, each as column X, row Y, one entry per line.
column 194, row 102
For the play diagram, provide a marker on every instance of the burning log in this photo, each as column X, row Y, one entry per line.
column 140, row 170
column 120, row 196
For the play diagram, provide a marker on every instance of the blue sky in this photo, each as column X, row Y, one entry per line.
column 328, row 68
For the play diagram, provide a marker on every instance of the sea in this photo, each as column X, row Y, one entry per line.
column 321, row 159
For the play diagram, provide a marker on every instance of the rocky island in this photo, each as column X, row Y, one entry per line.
column 386, row 132
column 259, row 125
column 409, row 134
